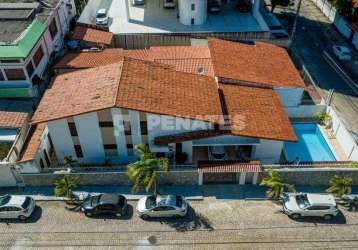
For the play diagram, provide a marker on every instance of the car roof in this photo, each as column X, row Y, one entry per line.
column 321, row 199
column 109, row 199
column 102, row 11
column 169, row 200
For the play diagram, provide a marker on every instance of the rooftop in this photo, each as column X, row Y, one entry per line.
column 123, row 84
column 257, row 63
column 14, row 114
column 32, row 143
column 92, row 35
column 154, row 18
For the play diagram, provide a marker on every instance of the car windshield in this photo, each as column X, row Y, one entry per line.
column 302, row 201
column 101, row 15
column 150, row 202
column 26, row 202
column 95, row 200
column 4, row 200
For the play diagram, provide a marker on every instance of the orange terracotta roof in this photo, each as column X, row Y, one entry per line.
column 156, row 88
column 90, row 59
column 12, row 119
column 92, row 35
column 229, row 167
column 261, row 63
column 79, row 92
column 257, row 112
column 134, row 84
column 32, row 143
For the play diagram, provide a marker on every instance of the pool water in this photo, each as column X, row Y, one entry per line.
column 311, row 145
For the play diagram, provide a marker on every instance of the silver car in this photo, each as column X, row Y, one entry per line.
column 16, row 207
column 162, row 206
column 298, row 205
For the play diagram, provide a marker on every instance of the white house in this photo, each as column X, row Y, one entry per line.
column 181, row 101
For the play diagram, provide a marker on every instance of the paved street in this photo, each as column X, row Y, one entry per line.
column 315, row 34
column 228, row 224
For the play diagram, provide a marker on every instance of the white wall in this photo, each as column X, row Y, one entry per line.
column 119, row 132
column 186, row 14
column 7, row 178
column 268, row 151
column 90, row 137
column 290, row 97
column 61, row 139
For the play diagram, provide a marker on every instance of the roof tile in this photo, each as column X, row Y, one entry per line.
column 92, row 35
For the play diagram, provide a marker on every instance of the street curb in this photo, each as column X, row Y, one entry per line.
column 129, row 198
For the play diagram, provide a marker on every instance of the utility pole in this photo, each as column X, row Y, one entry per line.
column 294, row 27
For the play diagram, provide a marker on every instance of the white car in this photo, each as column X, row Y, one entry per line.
column 217, row 153
column 162, row 206
column 16, row 207
column 342, row 52
column 298, row 205
column 101, row 17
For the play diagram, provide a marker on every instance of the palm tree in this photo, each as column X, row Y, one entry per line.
column 275, row 184
column 143, row 173
column 340, row 185
column 65, row 185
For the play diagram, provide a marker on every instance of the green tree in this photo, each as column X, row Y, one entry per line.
column 340, row 185
column 143, row 173
column 68, row 161
column 66, row 185
column 275, row 3
column 275, row 184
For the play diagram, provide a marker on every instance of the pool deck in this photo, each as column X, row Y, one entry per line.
column 333, row 143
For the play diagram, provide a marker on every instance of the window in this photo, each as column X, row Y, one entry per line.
column 73, row 130
column 46, row 158
column 9, row 61
column 106, row 124
column 15, row 74
column 53, row 28
column 192, row 21
column 38, row 56
column 1, row 76
column 78, row 151
column 127, row 128
column 130, row 149
column 30, row 69
column 318, row 208
column 110, row 146
column 193, row 6
column 143, row 128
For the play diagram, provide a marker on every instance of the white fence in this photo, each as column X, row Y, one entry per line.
column 344, row 137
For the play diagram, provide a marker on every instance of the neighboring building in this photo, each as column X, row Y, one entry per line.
column 154, row 25
column 176, row 99
column 30, row 33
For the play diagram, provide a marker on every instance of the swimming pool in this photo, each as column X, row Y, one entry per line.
column 311, row 145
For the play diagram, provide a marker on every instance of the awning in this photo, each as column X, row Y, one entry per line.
column 229, row 167
column 7, row 135
column 226, row 140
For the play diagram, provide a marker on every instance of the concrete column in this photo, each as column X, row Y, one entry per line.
column 90, row 137
column 135, row 127
column 119, row 135
column 201, row 177
column 255, row 178
column 242, row 178
column 61, row 138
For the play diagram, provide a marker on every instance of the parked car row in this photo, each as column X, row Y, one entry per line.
column 295, row 205
column 21, row 207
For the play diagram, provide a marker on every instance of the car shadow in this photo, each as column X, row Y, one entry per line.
column 338, row 219
column 127, row 216
column 191, row 222
column 35, row 216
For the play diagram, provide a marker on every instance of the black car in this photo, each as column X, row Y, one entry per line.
column 104, row 204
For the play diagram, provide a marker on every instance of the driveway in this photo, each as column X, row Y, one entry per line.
column 211, row 223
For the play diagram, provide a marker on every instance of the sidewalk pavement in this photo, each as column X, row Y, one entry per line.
column 217, row 191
